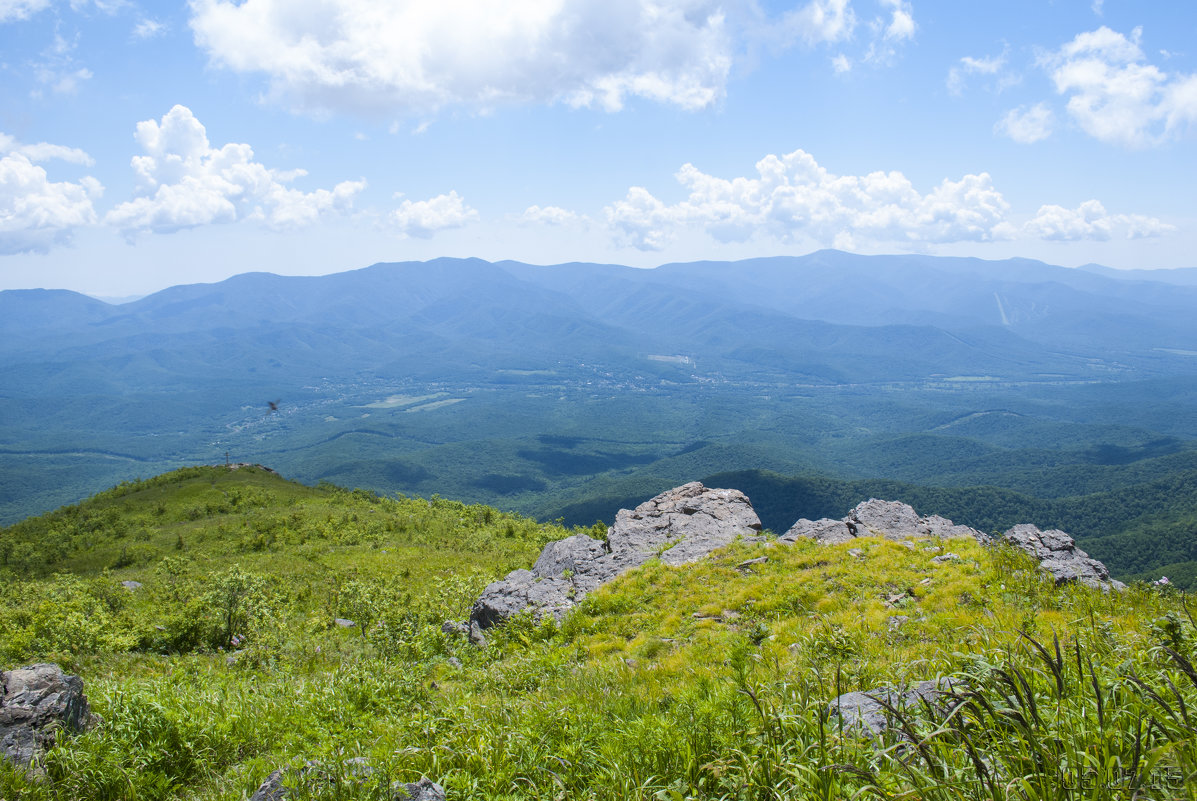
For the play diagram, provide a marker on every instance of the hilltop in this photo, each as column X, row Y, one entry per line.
column 229, row 622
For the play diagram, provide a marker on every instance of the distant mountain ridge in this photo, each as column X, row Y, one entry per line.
column 546, row 388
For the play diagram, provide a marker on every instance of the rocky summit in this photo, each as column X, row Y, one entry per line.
column 687, row 523
column 679, row 526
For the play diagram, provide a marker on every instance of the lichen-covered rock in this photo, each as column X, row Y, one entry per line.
column 1058, row 555
column 36, row 703
column 679, row 526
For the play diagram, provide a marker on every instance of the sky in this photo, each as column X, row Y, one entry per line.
column 144, row 145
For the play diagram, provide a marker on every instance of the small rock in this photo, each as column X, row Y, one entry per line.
column 946, row 557
column 897, row 621
column 476, row 635
column 857, row 552
column 454, row 662
column 131, row 586
column 423, row 790
column 344, row 623
column 760, row 560
column 729, row 614
column 455, row 627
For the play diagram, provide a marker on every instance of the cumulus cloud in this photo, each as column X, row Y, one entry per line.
column 409, row 56
column 1115, row 96
column 959, row 72
column 35, row 212
column 1027, row 125
column 551, row 215
column 1091, row 221
column 792, row 197
column 423, row 218
column 184, row 182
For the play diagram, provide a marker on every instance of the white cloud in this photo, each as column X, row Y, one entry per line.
column 423, row 218
column 841, row 64
column 35, row 212
column 793, row 198
column 957, row 75
column 21, row 9
column 45, row 152
column 148, row 29
column 889, row 33
column 410, row 56
column 1115, row 96
column 901, row 25
column 551, row 215
column 821, row 21
column 184, row 182
column 1098, row 7
column 1026, row 125
column 1091, row 221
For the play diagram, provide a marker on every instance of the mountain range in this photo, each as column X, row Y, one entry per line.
column 568, row 389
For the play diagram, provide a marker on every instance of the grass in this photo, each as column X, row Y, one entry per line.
column 700, row 682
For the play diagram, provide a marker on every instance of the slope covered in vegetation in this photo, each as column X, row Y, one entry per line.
column 713, row 680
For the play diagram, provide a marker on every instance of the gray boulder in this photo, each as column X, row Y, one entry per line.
column 865, row 711
column 38, row 701
column 875, row 518
column 1055, row 550
column 679, row 526
column 825, row 531
column 1058, row 556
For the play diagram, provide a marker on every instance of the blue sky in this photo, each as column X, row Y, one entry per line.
column 149, row 144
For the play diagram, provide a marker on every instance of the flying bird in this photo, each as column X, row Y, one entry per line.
column 273, row 406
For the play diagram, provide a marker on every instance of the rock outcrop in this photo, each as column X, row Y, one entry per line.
column 1056, row 551
column 38, row 701
column 1058, row 556
column 873, row 518
column 679, row 526
column 687, row 523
